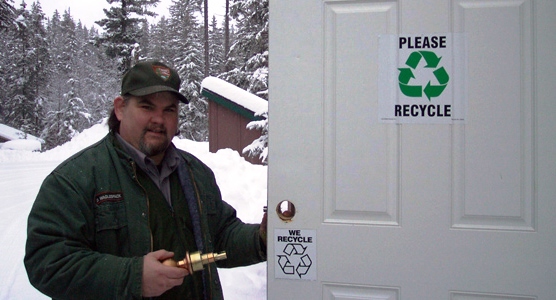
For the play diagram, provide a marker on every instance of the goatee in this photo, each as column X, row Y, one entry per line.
column 153, row 148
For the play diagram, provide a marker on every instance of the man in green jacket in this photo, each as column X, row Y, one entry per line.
column 105, row 219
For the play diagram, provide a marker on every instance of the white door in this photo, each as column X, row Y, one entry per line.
column 412, row 211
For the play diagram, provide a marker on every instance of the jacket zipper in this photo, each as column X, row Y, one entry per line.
column 209, row 273
column 134, row 167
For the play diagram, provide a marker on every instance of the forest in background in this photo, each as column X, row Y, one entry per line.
column 58, row 77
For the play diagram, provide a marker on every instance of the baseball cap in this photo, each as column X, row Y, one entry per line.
column 148, row 77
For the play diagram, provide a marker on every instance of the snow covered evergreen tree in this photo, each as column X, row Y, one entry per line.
column 249, row 52
column 122, row 28
column 98, row 75
column 259, row 147
column 216, row 48
column 26, row 77
column 143, row 44
column 65, row 123
column 188, row 60
column 7, row 14
column 7, row 26
column 249, row 56
column 81, row 69
column 67, row 111
column 61, row 49
column 160, row 49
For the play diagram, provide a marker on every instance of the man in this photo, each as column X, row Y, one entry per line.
column 106, row 218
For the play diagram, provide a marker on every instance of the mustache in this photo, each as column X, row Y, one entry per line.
column 158, row 129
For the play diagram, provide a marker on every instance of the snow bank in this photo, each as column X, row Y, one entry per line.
column 22, row 145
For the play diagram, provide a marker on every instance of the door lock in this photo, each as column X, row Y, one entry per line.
column 195, row 261
column 285, row 210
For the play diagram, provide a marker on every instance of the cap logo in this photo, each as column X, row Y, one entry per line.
column 162, row 72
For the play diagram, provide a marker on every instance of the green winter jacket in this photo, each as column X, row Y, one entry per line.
column 88, row 229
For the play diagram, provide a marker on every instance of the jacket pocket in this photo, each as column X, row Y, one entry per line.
column 112, row 234
column 110, row 216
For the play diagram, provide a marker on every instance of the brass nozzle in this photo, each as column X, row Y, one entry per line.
column 195, row 261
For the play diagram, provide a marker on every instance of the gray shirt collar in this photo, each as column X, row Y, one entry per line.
column 158, row 174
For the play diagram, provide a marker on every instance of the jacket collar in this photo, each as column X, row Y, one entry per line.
column 122, row 153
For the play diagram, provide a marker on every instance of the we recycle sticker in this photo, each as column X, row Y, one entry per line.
column 296, row 254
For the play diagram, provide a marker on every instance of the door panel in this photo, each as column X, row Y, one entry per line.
column 415, row 211
column 494, row 151
column 367, row 165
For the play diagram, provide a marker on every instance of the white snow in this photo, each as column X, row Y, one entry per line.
column 242, row 184
column 21, row 145
column 233, row 93
column 10, row 133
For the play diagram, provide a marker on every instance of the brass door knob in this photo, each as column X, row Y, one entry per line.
column 195, row 261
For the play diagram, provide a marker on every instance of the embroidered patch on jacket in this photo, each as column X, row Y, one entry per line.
column 162, row 72
column 108, row 197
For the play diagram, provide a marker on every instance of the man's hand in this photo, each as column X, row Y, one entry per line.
column 158, row 278
column 262, row 228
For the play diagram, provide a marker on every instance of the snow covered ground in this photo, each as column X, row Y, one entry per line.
column 21, row 173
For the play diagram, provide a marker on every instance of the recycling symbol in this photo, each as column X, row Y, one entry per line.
column 295, row 252
column 431, row 89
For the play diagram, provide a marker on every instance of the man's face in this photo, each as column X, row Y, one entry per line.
column 149, row 122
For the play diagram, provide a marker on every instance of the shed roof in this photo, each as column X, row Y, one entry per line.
column 10, row 133
column 234, row 98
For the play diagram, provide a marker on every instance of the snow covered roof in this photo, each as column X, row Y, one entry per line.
column 10, row 134
column 234, row 98
column 22, row 144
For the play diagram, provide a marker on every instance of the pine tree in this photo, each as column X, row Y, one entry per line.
column 141, row 48
column 122, row 28
column 160, row 48
column 226, row 36
column 188, row 60
column 61, row 63
column 249, row 53
column 70, row 47
column 68, row 113
column 7, row 15
column 67, row 122
column 259, row 147
column 216, row 48
column 98, row 75
column 7, row 26
column 83, row 75
column 206, row 38
column 26, row 74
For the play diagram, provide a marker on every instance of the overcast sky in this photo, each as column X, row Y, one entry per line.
column 89, row 11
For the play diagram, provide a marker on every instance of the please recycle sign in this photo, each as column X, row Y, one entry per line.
column 424, row 81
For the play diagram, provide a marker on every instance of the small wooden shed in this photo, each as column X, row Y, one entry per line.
column 230, row 110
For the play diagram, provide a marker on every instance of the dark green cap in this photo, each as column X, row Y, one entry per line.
column 150, row 77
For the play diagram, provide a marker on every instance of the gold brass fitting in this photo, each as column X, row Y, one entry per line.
column 195, row 261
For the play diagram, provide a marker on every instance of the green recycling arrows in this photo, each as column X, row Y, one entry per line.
column 406, row 74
